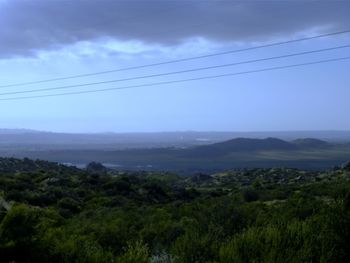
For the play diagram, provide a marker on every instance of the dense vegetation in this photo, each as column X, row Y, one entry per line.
column 55, row 213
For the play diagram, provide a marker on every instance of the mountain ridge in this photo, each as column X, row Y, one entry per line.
column 240, row 145
column 311, row 143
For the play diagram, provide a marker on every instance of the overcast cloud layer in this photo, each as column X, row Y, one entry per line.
column 27, row 27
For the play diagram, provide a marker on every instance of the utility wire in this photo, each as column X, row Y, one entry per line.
column 182, row 80
column 175, row 72
column 177, row 60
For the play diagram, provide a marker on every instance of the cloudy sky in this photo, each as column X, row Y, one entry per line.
column 47, row 39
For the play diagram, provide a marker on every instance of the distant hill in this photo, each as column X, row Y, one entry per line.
column 311, row 143
column 234, row 153
column 18, row 140
column 240, row 145
column 191, row 152
column 18, row 131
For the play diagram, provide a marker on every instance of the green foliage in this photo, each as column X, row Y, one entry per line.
column 193, row 247
column 135, row 253
column 64, row 214
column 62, row 246
column 269, row 244
column 21, row 230
column 250, row 195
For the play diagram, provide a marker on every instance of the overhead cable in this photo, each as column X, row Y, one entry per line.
column 180, row 81
column 173, row 72
column 176, row 60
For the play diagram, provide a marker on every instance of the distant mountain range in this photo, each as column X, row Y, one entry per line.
column 305, row 153
column 185, row 151
column 31, row 139
column 241, row 145
column 245, row 145
column 18, row 131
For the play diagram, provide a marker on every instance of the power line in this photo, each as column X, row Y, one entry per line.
column 174, row 72
column 181, row 81
column 177, row 60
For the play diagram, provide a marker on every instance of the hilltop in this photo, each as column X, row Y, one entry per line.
column 240, row 145
column 311, row 143
column 14, row 165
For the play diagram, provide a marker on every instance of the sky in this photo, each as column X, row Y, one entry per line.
column 47, row 39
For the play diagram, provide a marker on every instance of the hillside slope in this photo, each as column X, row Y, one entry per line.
column 240, row 145
column 311, row 143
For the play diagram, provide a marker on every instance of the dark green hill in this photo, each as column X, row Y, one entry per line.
column 311, row 143
column 13, row 165
column 240, row 145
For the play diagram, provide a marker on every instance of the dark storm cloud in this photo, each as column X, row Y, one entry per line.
column 29, row 26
